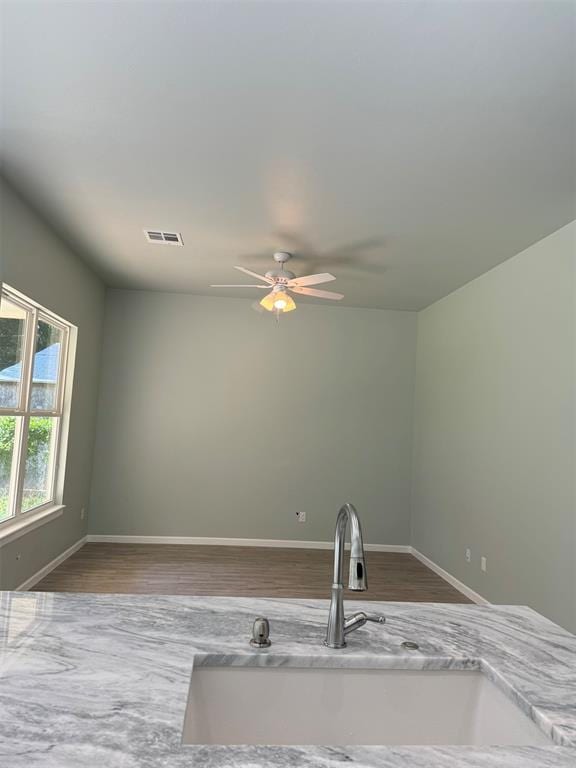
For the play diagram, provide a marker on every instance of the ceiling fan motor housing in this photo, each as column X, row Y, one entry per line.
column 281, row 277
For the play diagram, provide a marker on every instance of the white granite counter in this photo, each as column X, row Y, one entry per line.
column 101, row 681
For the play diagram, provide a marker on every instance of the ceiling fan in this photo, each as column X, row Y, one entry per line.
column 279, row 282
column 357, row 256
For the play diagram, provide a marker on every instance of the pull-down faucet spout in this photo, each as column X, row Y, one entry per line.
column 338, row 625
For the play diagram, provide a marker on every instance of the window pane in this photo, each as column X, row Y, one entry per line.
column 12, row 339
column 49, row 340
column 8, row 425
column 40, row 453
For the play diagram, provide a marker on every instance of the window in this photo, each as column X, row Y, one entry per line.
column 33, row 363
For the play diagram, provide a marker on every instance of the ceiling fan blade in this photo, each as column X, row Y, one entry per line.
column 255, row 274
column 296, row 242
column 357, row 247
column 325, row 277
column 243, row 285
column 354, row 256
column 318, row 294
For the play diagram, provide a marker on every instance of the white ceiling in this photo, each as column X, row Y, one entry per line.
column 437, row 138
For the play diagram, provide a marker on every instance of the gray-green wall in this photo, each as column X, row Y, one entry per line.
column 494, row 431
column 36, row 262
column 216, row 421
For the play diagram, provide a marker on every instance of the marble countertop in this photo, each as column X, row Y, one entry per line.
column 101, row 681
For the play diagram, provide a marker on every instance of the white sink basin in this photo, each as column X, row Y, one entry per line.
column 286, row 705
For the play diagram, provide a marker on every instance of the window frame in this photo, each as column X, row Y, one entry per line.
column 24, row 411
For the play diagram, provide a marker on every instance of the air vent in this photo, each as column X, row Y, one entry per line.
column 166, row 238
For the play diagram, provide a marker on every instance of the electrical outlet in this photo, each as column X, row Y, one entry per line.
column 82, row 513
column 468, row 555
column 18, row 555
column 301, row 516
column 483, row 564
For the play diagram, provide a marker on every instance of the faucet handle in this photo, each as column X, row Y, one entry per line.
column 358, row 620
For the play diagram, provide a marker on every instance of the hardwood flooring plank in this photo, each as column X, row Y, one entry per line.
column 239, row 572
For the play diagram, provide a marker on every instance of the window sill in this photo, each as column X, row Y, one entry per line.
column 15, row 528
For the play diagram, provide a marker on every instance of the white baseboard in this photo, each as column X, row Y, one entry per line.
column 230, row 542
column 452, row 580
column 39, row 575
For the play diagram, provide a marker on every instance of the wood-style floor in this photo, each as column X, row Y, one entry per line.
column 239, row 571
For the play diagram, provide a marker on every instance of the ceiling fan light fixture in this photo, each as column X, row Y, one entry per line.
column 278, row 301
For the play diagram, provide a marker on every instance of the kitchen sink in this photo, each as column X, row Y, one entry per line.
column 287, row 705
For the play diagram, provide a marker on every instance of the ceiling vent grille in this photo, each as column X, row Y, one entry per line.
column 166, row 238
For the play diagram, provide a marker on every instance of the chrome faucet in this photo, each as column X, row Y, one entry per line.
column 338, row 625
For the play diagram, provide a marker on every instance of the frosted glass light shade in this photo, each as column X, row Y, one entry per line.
column 278, row 302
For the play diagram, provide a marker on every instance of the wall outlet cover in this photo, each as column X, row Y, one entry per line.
column 483, row 564
column 468, row 555
column 301, row 517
